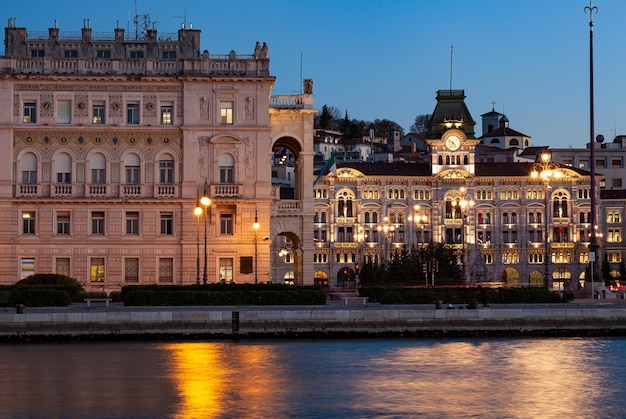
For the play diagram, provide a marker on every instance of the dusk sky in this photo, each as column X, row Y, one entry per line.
column 387, row 58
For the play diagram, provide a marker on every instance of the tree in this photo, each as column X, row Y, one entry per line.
column 421, row 124
column 329, row 118
column 352, row 128
column 385, row 126
column 622, row 272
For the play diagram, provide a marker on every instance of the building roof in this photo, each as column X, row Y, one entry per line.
column 504, row 132
column 389, row 169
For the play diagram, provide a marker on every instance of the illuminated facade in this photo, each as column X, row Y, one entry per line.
column 111, row 140
column 496, row 214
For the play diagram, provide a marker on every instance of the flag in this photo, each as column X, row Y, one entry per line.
column 331, row 167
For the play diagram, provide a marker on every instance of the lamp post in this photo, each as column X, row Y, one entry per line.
column 388, row 230
column 593, row 244
column 358, row 265
column 420, row 219
column 206, row 202
column 545, row 169
column 197, row 212
column 256, row 227
column 464, row 203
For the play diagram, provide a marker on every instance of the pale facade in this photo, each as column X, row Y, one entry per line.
column 109, row 144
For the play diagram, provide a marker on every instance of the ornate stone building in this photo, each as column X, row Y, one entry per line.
column 110, row 142
column 498, row 215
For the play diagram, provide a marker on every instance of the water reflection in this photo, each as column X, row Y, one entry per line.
column 499, row 378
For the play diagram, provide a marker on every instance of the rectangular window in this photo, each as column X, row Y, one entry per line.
column 132, row 175
column 28, row 222
column 64, row 177
column 616, row 163
column 29, row 176
column 617, row 183
column 226, row 270
column 103, row 54
column 97, row 222
column 131, row 270
column 132, row 113
column 167, row 110
column 226, row 224
column 600, row 163
column 64, row 115
column 98, row 176
column 169, row 55
column 227, row 174
column 63, row 266
column 226, row 113
column 167, row 224
column 98, row 113
column 97, row 270
column 136, row 54
column 30, row 112
column 132, row 223
column 71, row 53
column 166, row 270
column 63, row 223
column 38, row 53
column 166, row 172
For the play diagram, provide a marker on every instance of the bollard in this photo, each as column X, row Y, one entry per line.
column 235, row 322
column 19, row 308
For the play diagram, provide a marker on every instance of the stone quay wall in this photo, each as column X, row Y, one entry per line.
column 335, row 322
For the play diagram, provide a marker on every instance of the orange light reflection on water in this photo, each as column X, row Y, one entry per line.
column 212, row 378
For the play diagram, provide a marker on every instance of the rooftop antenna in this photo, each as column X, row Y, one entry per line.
column 451, row 54
column 142, row 23
column 301, row 73
column 183, row 17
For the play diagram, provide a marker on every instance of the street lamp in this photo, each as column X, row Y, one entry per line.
column 464, row 203
column 388, row 230
column 545, row 169
column 256, row 227
column 420, row 219
column 205, row 201
column 197, row 212
column 359, row 236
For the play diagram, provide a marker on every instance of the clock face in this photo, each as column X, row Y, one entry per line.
column 453, row 142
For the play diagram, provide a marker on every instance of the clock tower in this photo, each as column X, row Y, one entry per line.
column 451, row 137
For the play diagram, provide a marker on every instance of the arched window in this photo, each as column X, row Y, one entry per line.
column 97, row 168
column 324, row 217
column 132, row 169
column 227, row 168
column 63, row 165
column 465, row 159
column 582, row 217
column 367, row 218
column 29, row 168
column 316, row 218
column 514, row 142
column 440, row 160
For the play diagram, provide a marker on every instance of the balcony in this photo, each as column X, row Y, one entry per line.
column 27, row 190
column 131, row 191
column 96, row 191
column 166, row 191
column 61, row 190
column 225, row 191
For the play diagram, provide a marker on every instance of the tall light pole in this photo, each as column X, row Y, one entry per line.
column 593, row 243
column 256, row 227
column 544, row 168
column 464, row 203
column 388, row 230
column 206, row 202
column 420, row 218
column 197, row 212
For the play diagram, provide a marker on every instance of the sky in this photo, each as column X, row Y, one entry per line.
column 386, row 59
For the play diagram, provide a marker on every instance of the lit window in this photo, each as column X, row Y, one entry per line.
column 30, row 112
column 98, row 113
column 226, row 113
column 28, row 222
column 167, row 109
column 97, row 270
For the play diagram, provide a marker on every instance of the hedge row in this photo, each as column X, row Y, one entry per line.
column 220, row 294
column 399, row 295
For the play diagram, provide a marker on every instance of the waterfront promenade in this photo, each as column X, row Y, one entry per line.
column 77, row 321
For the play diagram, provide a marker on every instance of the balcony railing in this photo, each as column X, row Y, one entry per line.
column 166, row 191
column 225, row 190
column 131, row 191
column 61, row 190
column 96, row 191
column 27, row 190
